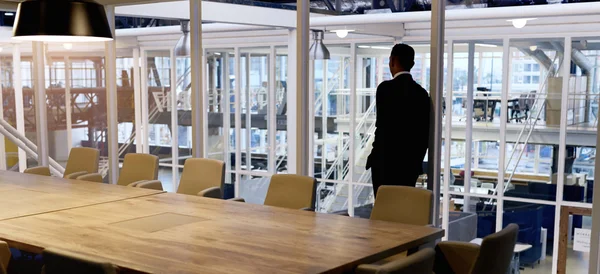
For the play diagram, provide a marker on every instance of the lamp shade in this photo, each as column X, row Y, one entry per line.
column 61, row 21
column 183, row 47
column 318, row 51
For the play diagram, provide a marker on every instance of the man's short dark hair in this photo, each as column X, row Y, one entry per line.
column 405, row 54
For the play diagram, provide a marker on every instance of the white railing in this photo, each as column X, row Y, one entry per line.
column 29, row 147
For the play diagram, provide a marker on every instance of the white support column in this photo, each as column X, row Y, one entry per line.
column 137, row 101
column 174, row 123
column 248, row 128
column 196, row 76
column 238, row 119
column 291, row 112
column 300, row 99
column 110, row 61
column 41, row 119
column 144, row 121
column 448, row 139
column 562, row 145
column 469, row 127
column 226, row 106
column 2, row 138
column 68, row 109
column 205, row 103
column 595, row 238
column 272, row 114
column 324, row 115
column 352, row 131
column 438, row 19
column 311, row 122
column 19, row 113
column 506, row 70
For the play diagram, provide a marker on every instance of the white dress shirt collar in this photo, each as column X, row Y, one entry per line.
column 400, row 73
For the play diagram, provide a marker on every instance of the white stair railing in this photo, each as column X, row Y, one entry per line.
column 14, row 135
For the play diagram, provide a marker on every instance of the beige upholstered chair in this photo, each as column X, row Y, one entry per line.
column 82, row 160
column 418, row 263
column 94, row 177
column 4, row 257
column 60, row 262
column 202, row 177
column 291, row 191
column 492, row 257
column 39, row 170
column 403, row 204
column 137, row 168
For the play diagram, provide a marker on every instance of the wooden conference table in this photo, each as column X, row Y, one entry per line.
column 173, row 233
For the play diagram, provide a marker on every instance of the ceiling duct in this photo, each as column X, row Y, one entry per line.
column 183, row 47
column 318, row 50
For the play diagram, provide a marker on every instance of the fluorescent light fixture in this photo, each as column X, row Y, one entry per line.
column 68, row 46
column 533, row 48
column 342, row 33
column 380, row 47
column 9, row 14
column 364, row 47
column 61, row 21
column 486, row 45
column 520, row 22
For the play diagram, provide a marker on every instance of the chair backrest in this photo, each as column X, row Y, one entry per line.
column 200, row 174
column 64, row 262
column 496, row 251
column 418, row 263
column 83, row 159
column 291, row 191
column 4, row 257
column 138, row 167
column 403, row 204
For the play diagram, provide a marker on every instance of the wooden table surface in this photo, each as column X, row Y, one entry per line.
column 173, row 233
column 26, row 194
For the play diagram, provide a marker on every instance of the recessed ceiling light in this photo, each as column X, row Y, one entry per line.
column 9, row 14
column 533, row 48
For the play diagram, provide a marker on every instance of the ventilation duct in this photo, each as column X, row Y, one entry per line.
column 183, row 47
column 318, row 51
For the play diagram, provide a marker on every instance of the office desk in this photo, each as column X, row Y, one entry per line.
column 491, row 101
column 173, row 233
column 26, row 194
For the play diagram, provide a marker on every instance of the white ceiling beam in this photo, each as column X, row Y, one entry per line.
column 214, row 12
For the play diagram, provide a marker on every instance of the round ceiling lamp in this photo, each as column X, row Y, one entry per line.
column 520, row 23
column 342, row 33
column 63, row 21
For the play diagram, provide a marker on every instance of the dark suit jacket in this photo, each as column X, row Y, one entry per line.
column 402, row 133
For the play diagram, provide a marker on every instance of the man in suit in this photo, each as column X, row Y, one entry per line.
column 402, row 133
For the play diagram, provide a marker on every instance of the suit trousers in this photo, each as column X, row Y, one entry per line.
column 379, row 178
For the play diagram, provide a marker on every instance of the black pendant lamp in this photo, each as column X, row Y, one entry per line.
column 61, row 21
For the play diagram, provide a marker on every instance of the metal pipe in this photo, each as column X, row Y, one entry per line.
column 460, row 14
